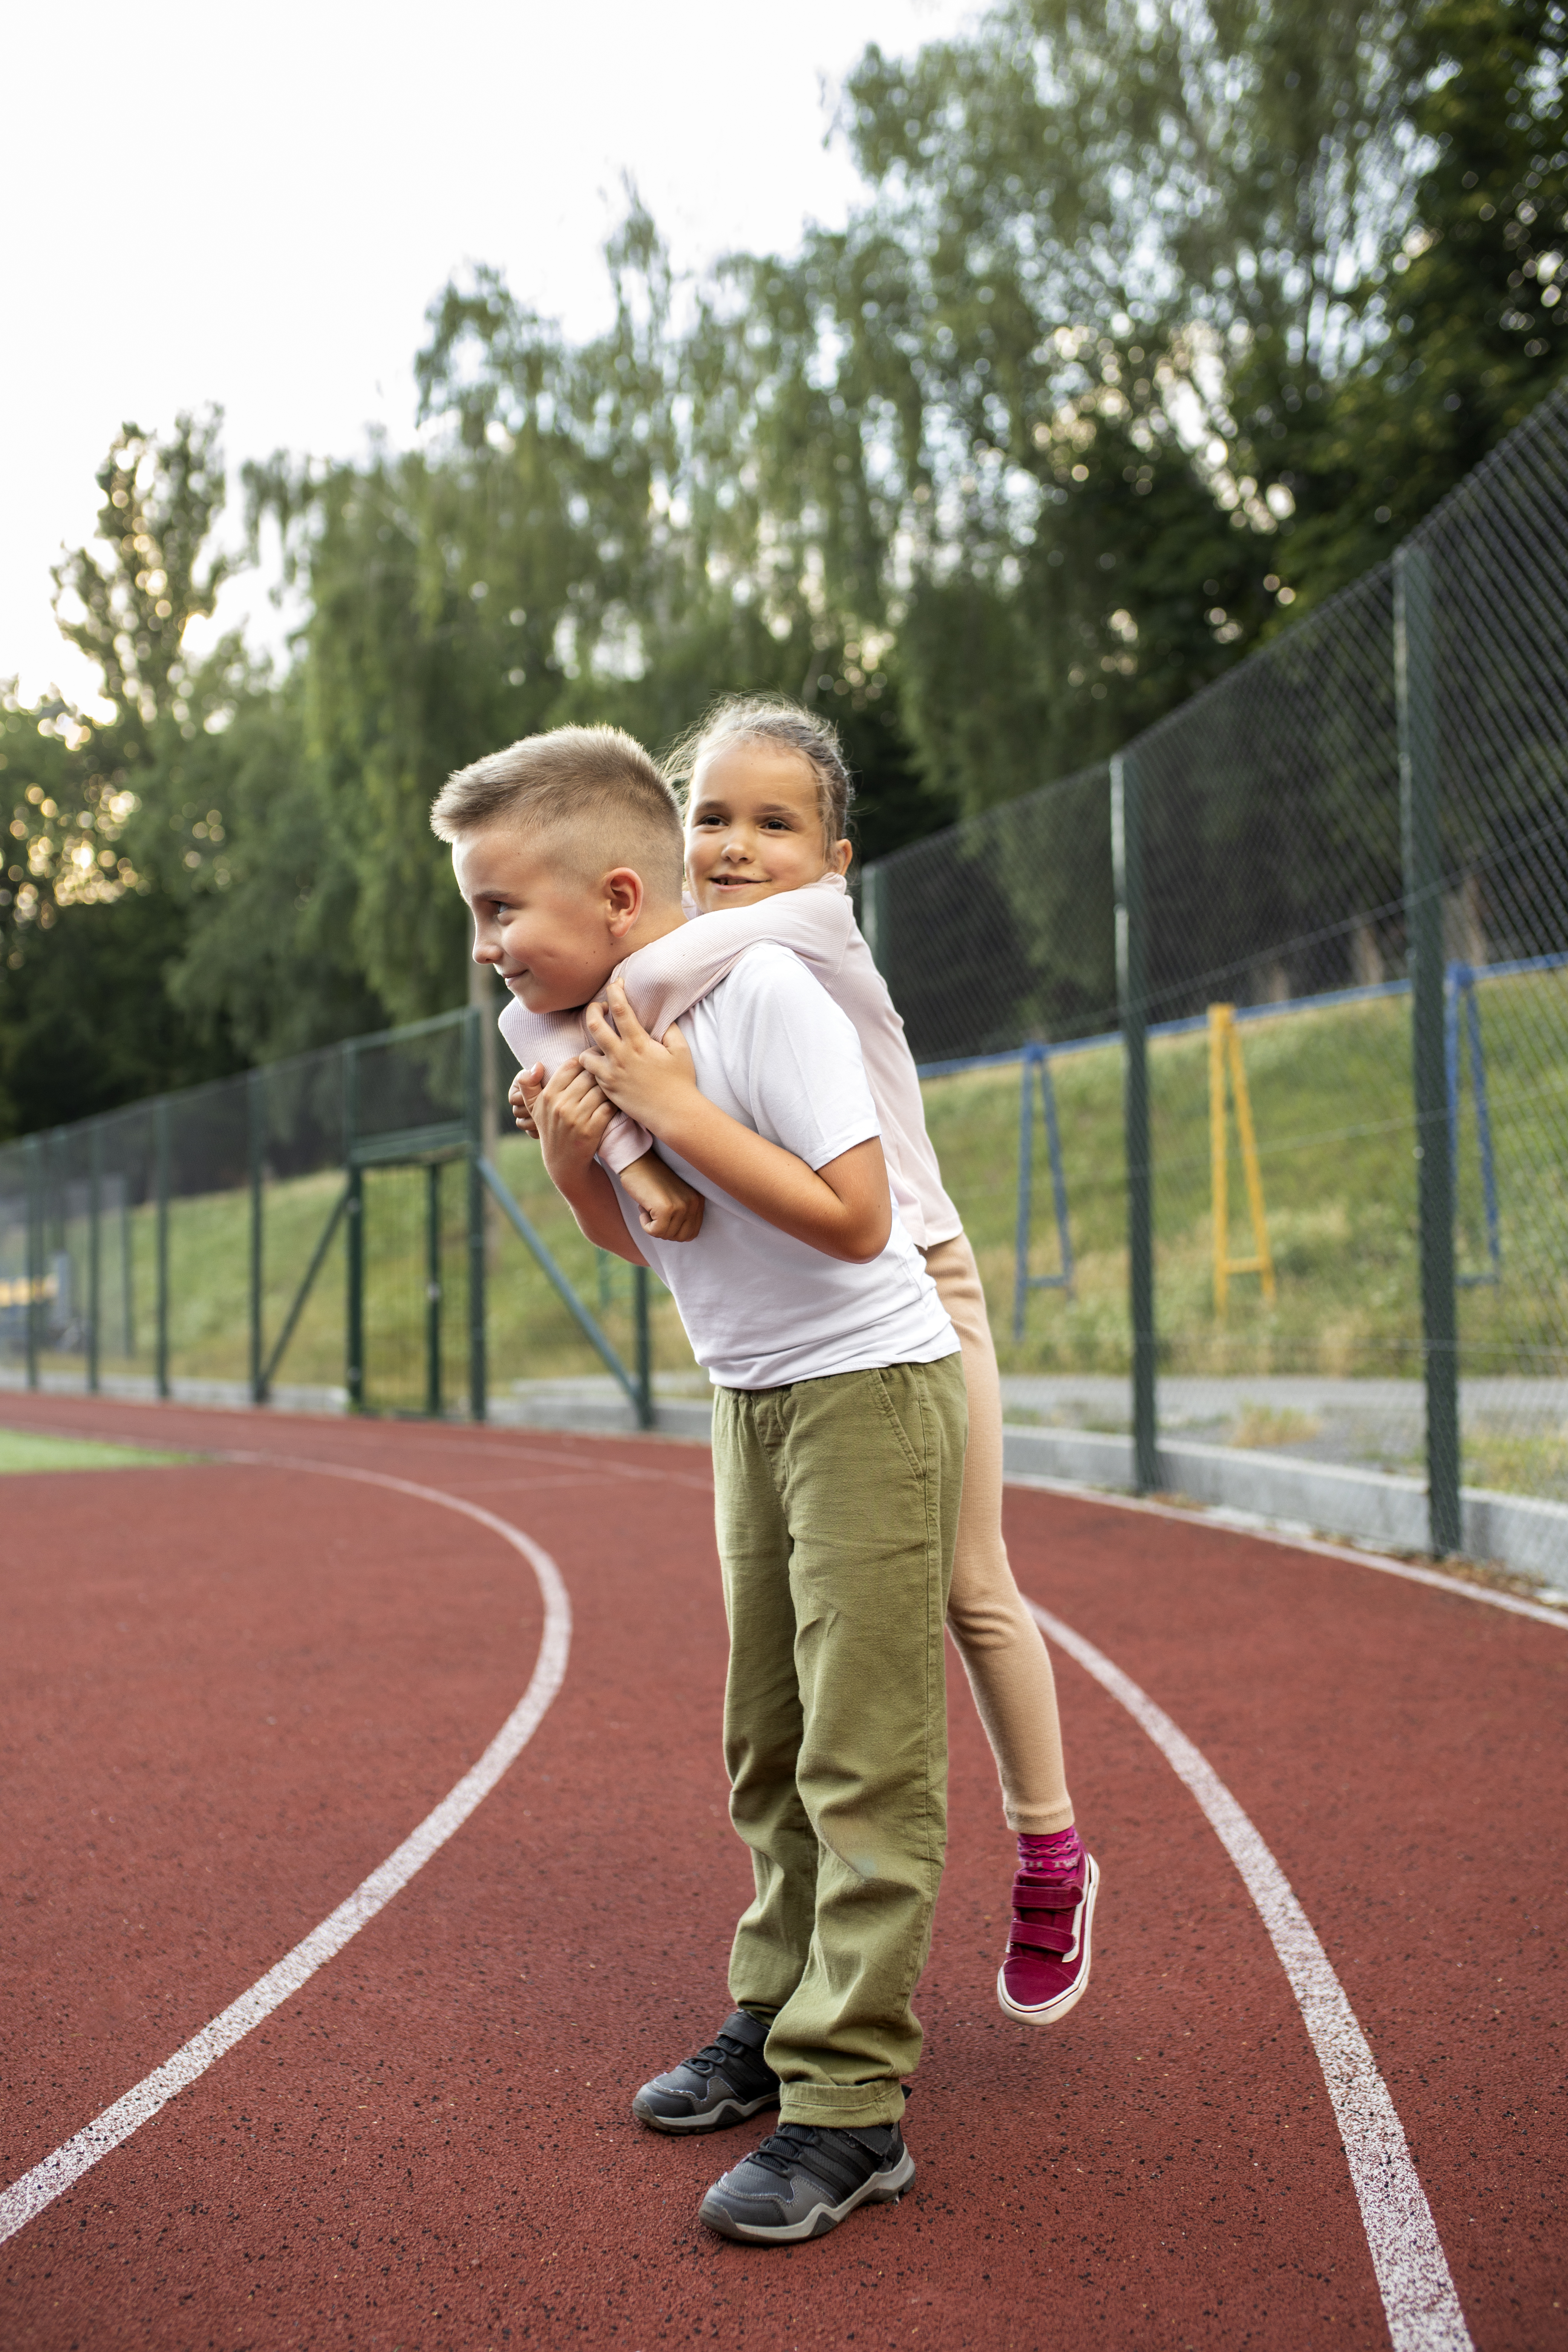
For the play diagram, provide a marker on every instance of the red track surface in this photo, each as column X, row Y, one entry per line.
column 229, row 1691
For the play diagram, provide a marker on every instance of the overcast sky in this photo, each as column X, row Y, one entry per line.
column 255, row 206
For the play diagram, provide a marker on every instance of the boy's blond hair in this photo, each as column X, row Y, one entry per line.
column 593, row 787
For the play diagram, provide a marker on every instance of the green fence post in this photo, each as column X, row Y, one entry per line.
column 479, row 1145
column 256, row 1107
column 127, row 1287
column 353, row 1348
column 1132, row 990
column 1420, row 797
column 161, row 1244
column 94, row 1251
column 433, row 1290
column 354, row 1238
column 645, row 1348
column 35, row 1301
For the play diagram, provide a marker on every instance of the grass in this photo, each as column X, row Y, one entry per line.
column 27, row 1449
column 1260, row 1427
column 1330, row 1099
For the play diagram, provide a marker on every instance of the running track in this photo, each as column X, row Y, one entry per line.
column 232, row 1688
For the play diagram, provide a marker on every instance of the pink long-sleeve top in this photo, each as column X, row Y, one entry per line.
column 664, row 978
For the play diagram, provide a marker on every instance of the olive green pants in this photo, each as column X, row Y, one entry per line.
column 837, row 1507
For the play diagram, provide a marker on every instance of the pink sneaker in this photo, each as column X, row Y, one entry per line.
column 1045, row 1972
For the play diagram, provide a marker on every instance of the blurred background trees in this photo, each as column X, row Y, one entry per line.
column 1156, row 324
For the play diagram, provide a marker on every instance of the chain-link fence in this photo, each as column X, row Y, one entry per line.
column 1246, row 1056
column 350, row 1228
column 1353, row 1186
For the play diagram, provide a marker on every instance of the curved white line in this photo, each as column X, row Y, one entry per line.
column 1411, row 2270
column 27, row 2196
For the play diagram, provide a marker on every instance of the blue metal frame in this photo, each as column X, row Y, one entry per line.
column 1038, row 1059
column 1461, row 990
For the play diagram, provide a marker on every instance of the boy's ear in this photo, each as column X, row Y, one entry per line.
column 623, row 898
column 841, row 856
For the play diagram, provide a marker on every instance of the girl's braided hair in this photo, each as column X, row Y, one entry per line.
column 770, row 719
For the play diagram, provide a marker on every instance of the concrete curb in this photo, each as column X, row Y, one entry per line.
column 1372, row 1506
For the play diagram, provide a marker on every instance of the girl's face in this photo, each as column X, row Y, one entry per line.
column 753, row 828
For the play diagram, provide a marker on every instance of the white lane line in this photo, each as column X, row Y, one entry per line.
column 1241, row 1523
column 27, row 2196
column 1411, row 2270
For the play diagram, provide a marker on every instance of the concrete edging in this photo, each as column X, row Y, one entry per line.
column 1372, row 1506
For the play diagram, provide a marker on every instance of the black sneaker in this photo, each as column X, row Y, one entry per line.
column 721, row 2084
column 805, row 2180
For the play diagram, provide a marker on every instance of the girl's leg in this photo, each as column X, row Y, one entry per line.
column 1003, row 1656
column 1044, row 1970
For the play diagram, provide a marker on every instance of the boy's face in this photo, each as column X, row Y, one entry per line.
column 553, row 934
column 753, row 828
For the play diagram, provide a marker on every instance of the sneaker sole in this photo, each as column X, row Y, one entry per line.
column 1049, row 2012
column 882, row 2188
column 729, row 2111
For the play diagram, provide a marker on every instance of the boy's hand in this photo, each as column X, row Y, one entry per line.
column 647, row 1078
column 668, row 1206
column 571, row 1115
column 523, row 1094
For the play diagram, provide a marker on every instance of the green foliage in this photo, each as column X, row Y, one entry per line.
column 1467, row 330
column 87, row 1020
column 128, row 609
column 1156, row 324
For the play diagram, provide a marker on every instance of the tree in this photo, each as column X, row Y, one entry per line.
column 145, row 945
column 1465, row 290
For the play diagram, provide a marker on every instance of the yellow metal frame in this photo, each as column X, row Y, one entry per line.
column 1225, row 1041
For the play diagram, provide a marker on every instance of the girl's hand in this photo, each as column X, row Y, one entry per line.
column 650, row 1079
column 668, row 1207
column 523, row 1094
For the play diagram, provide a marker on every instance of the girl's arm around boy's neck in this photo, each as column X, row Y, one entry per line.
column 843, row 1209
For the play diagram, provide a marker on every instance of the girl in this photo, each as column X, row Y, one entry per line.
column 768, row 797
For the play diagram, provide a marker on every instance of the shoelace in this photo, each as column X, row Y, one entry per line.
column 781, row 2148
column 838, row 2167
column 722, row 2052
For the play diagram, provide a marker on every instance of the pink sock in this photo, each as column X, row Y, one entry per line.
column 1063, row 1851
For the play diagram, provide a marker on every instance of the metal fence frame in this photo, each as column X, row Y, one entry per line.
column 1416, row 582
column 459, row 1141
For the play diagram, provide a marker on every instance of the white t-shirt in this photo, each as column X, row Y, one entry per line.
column 761, row 1309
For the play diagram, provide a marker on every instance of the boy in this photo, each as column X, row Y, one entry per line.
column 838, row 1435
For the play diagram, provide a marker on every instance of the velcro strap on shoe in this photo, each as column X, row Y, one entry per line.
column 749, row 2031
column 1030, row 1895
column 1040, row 1937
